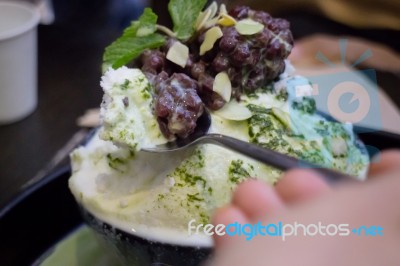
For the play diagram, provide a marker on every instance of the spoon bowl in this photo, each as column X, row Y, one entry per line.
column 270, row 157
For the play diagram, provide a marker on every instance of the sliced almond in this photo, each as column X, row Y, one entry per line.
column 234, row 111
column 202, row 19
column 222, row 9
column 213, row 7
column 211, row 36
column 248, row 27
column 226, row 20
column 283, row 116
column 211, row 22
column 178, row 53
column 222, row 86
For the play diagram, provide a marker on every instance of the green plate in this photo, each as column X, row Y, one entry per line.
column 79, row 248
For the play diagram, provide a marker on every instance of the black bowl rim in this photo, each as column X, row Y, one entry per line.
column 56, row 172
column 23, row 194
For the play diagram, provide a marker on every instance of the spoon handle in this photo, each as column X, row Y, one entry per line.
column 272, row 158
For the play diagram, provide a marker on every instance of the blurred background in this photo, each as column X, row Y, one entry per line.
column 74, row 33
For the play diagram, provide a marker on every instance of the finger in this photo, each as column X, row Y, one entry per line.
column 227, row 215
column 301, row 184
column 256, row 199
column 305, row 49
column 384, row 162
column 297, row 53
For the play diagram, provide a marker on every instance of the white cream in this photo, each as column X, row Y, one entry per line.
column 126, row 109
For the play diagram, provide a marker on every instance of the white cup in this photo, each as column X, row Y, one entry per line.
column 18, row 60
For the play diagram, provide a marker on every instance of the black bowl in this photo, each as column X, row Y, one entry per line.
column 135, row 250
column 46, row 212
column 37, row 218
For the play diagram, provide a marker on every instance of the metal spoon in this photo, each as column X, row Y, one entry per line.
column 264, row 155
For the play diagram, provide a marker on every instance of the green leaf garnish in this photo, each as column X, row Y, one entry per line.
column 139, row 36
column 184, row 14
column 125, row 49
column 146, row 24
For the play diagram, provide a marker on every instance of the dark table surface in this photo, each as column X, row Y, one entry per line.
column 69, row 76
column 69, row 73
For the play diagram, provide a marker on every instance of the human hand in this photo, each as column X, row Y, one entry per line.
column 303, row 196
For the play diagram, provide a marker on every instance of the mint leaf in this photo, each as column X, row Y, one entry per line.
column 146, row 24
column 139, row 36
column 184, row 14
column 127, row 48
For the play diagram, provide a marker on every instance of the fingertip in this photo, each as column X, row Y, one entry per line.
column 296, row 53
column 384, row 162
column 301, row 184
column 256, row 199
column 227, row 215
